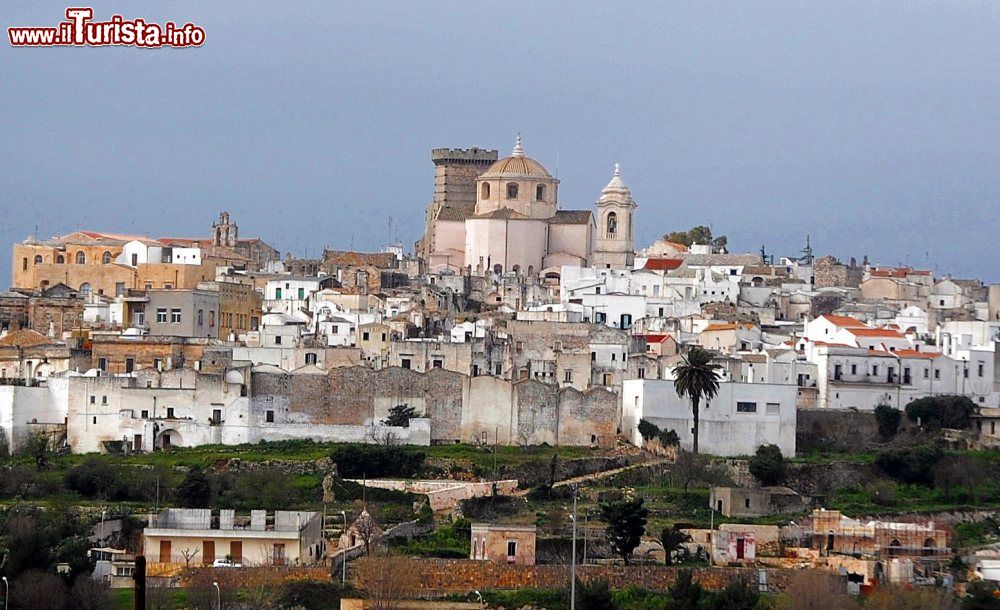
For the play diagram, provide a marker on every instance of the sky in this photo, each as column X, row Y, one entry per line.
column 871, row 127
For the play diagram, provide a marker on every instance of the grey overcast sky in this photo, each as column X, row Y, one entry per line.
column 873, row 127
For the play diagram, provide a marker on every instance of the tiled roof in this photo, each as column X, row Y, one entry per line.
column 25, row 338
column 501, row 214
column 516, row 166
column 455, row 214
column 663, row 264
column 875, row 332
column 844, row 321
column 912, row 353
column 714, row 327
column 571, row 217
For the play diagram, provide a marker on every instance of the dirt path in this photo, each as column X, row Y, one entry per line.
column 598, row 475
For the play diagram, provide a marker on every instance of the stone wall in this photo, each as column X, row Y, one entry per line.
column 444, row 576
column 841, row 430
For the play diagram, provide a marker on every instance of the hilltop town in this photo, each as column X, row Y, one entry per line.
column 526, row 408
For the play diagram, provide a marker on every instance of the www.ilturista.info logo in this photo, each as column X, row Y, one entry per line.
column 79, row 29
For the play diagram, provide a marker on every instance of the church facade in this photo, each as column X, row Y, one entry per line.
column 507, row 218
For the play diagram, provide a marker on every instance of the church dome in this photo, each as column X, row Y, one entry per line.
column 517, row 164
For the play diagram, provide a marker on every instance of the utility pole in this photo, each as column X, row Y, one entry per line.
column 572, row 586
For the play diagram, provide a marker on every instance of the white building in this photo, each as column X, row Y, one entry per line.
column 741, row 418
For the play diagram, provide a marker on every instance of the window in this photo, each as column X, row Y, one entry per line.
column 925, row 373
column 135, row 260
column 129, row 365
column 158, row 364
column 104, row 400
column 269, row 416
column 438, row 363
column 170, row 412
column 612, row 224
column 201, row 317
column 102, row 364
column 175, row 316
column 837, row 372
column 119, row 289
column 854, row 369
column 145, row 414
column 485, row 190
column 106, row 258
column 60, row 259
column 93, row 399
column 365, row 336
column 277, row 340
column 85, row 289
column 875, row 370
column 980, row 369
column 38, row 259
column 511, row 190
column 937, row 373
column 277, row 293
column 511, row 549
column 161, row 315
column 302, row 293
column 81, row 258
column 568, row 376
column 540, row 192
column 746, row 503
column 405, row 363
column 211, row 319
column 216, row 416
column 311, row 358
column 24, row 264
column 746, row 407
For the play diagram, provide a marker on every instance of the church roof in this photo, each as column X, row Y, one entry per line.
column 571, row 217
column 502, row 214
column 455, row 214
column 517, row 164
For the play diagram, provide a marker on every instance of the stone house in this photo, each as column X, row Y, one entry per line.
column 507, row 544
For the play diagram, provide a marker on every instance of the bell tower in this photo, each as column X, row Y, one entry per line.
column 224, row 233
column 614, row 247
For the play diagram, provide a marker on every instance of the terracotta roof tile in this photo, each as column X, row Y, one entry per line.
column 663, row 264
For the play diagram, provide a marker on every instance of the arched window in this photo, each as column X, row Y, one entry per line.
column 38, row 259
column 540, row 192
column 511, row 190
column 486, row 190
column 81, row 258
column 85, row 289
column 106, row 258
column 60, row 259
column 612, row 224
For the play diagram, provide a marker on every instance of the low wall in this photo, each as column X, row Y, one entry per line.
column 439, row 577
column 445, row 495
column 243, row 577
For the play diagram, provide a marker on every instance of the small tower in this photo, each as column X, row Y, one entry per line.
column 224, row 233
column 614, row 247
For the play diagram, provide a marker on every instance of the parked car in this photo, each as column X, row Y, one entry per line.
column 226, row 563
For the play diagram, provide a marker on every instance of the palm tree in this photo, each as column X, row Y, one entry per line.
column 696, row 377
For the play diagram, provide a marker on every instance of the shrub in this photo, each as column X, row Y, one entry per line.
column 669, row 438
column 936, row 412
column 648, row 430
column 768, row 465
column 377, row 461
column 910, row 465
column 194, row 491
column 887, row 419
column 94, row 478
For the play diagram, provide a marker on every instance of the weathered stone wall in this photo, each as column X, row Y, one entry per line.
column 537, row 412
column 827, row 429
column 443, row 576
column 443, row 404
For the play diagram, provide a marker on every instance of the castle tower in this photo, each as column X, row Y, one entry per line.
column 455, row 173
column 614, row 247
column 224, row 233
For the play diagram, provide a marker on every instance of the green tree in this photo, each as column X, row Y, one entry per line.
column 685, row 592
column 594, row 596
column 648, row 430
column 37, row 446
column 671, row 539
column 981, row 595
column 626, row 521
column 887, row 419
column 740, row 594
column 910, row 465
column 768, row 465
column 400, row 416
column 195, row 490
column 936, row 412
column 669, row 438
column 696, row 377
column 697, row 235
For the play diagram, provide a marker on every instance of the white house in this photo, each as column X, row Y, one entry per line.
column 741, row 418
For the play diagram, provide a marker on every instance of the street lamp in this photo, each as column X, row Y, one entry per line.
column 101, row 538
column 343, row 559
column 6, row 592
column 218, row 594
